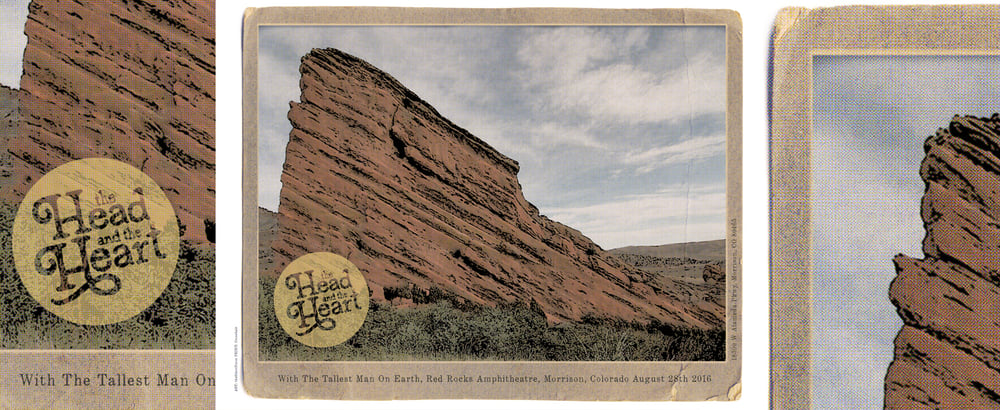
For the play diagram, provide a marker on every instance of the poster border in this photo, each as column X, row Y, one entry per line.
column 259, row 376
column 798, row 35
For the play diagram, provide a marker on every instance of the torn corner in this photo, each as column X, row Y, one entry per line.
column 735, row 391
column 786, row 19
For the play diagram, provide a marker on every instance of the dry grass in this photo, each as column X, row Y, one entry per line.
column 183, row 317
column 440, row 329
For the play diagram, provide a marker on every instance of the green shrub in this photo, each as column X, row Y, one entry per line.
column 440, row 330
column 183, row 317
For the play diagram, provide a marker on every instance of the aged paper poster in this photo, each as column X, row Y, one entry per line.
column 885, row 157
column 107, row 205
column 495, row 204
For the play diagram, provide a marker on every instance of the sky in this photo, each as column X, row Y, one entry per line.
column 13, row 14
column 871, row 115
column 619, row 130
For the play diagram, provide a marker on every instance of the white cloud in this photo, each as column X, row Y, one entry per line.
column 439, row 64
column 677, row 214
column 562, row 53
column 689, row 150
column 13, row 15
column 584, row 70
column 500, row 84
column 922, row 93
column 549, row 134
column 872, row 116
column 278, row 80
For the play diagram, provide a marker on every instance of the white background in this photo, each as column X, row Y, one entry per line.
column 757, row 20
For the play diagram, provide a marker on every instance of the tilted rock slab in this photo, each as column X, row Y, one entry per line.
column 948, row 351
column 375, row 174
column 8, row 120
column 127, row 80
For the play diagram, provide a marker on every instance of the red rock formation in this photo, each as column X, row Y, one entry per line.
column 374, row 173
column 128, row 80
column 948, row 351
column 8, row 119
column 713, row 274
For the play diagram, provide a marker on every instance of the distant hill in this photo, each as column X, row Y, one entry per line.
column 700, row 264
column 713, row 251
column 417, row 202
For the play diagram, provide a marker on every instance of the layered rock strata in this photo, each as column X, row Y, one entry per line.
column 374, row 173
column 947, row 354
column 713, row 274
column 127, row 80
column 8, row 120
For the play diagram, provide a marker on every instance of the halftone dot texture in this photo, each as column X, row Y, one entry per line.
column 116, row 253
column 321, row 299
column 948, row 352
column 871, row 115
column 127, row 81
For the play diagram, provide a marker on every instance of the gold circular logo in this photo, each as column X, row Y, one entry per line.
column 95, row 241
column 321, row 299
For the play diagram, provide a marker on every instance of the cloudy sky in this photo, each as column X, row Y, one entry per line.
column 871, row 115
column 620, row 131
column 13, row 14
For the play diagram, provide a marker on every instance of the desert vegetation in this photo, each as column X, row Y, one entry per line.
column 183, row 317
column 443, row 327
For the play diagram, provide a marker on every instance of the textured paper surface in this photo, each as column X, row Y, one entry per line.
column 489, row 379
column 92, row 379
column 110, row 83
column 805, row 45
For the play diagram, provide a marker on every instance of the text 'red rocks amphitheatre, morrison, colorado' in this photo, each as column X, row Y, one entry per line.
column 375, row 174
column 948, row 352
column 124, row 80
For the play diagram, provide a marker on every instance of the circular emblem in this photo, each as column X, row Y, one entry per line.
column 95, row 241
column 321, row 299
